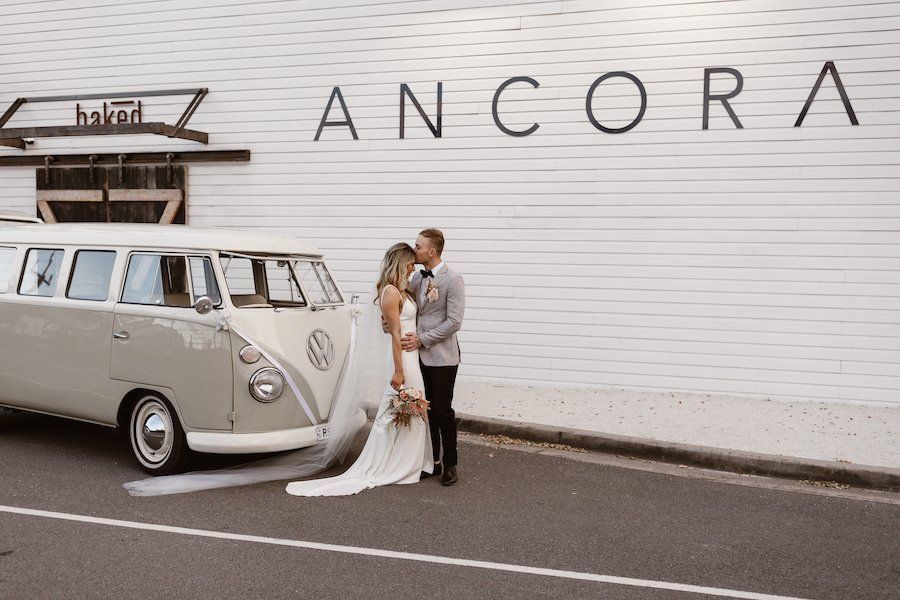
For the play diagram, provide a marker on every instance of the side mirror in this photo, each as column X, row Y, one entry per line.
column 203, row 305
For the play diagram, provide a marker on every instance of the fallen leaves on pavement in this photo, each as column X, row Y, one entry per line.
column 828, row 484
column 510, row 441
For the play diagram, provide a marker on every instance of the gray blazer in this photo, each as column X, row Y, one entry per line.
column 440, row 320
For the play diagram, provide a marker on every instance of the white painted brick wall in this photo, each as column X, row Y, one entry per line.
column 761, row 261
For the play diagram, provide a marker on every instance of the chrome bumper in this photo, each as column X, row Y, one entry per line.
column 252, row 443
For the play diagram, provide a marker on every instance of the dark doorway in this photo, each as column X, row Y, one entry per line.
column 126, row 194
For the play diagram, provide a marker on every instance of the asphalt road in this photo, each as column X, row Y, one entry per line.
column 570, row 512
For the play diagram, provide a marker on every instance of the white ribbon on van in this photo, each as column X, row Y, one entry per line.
column 290, row 380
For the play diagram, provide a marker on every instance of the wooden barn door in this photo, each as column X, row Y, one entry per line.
column 127, row 194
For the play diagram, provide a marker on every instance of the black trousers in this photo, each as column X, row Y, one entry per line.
column 439, row 382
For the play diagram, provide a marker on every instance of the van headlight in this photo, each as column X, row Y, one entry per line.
column 267, row 384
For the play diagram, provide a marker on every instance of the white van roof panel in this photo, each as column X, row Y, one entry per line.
column 159, row 237
column 14, row 216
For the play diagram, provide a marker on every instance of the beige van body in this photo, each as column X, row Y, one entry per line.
column 74, row 346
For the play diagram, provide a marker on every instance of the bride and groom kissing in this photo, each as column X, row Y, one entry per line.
column 421, row 314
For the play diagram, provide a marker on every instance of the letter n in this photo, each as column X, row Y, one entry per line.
column 336, row 93
column 829, row 67
column 404, row 92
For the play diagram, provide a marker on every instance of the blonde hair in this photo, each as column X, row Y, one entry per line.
column 393, row 268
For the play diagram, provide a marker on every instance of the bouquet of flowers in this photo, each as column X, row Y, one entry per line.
column 407, row 404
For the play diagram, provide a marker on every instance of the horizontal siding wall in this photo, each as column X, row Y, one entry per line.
column 762, row 261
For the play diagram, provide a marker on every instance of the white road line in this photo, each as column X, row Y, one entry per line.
column 461, row 562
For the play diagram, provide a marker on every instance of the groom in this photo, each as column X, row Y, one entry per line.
column 441, row 298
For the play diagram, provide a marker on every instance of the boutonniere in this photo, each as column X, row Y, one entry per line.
column 431, row 292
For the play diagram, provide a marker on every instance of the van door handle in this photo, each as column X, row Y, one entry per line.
column 120, row 335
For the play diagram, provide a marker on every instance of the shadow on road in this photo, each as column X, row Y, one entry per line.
column 96, row 443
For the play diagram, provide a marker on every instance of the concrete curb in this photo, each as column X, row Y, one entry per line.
column 737, row 461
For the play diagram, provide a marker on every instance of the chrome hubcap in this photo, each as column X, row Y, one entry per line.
column 152, row 432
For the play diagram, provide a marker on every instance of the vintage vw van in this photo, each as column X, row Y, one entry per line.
column 218, row 341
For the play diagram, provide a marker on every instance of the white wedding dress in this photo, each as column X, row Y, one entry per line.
column 392, row 454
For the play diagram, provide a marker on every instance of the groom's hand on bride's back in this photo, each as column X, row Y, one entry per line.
column 410, row 342
column 384, row 325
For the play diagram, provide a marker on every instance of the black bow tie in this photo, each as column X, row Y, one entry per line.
column 427, row 273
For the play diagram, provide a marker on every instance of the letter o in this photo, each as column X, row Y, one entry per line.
column 590, row 95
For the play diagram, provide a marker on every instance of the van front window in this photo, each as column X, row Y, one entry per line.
column 203, row 279
column 158, row 280
column 262, row 282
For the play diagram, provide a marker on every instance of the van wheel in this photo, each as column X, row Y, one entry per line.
column 157, row 439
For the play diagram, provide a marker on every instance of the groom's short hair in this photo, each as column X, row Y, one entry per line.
column 436, row 237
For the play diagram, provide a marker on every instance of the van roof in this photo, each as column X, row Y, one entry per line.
column 17, row 217
column 159, row 237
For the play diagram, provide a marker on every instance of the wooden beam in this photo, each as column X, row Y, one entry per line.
column 110, row 95
column 132, row 158
column 111, row 129
column 11, row 110
column 70, row 195
column 185, row 134
column 127, row 195
column 77, row 130
column 46, row 212
column 169, row 213
column 13, row 142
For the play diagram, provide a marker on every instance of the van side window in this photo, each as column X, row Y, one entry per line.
column 91, row 275
column 158, row 280
column 7, row 256
column 203, row 278
column 41, row 272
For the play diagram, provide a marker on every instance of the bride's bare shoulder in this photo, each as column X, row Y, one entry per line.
column 390, row 295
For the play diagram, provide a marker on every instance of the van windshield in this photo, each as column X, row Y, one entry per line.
column 268, row 282
column 261, row 282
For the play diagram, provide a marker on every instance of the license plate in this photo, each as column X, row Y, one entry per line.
column 322, row 432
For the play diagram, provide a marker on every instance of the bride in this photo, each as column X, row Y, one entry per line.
column 392, row 454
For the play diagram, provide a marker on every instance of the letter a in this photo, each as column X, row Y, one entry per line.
column 336, row 93
column 829, row 66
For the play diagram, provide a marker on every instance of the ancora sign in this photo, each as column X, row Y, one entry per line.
column 435, row 127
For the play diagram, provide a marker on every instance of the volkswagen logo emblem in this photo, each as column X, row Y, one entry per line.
column 320, row 349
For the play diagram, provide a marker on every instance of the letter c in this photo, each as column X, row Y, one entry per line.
column 497, row 122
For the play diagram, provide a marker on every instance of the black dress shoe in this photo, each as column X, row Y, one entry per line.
column 437, row 471
column 450, row 477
